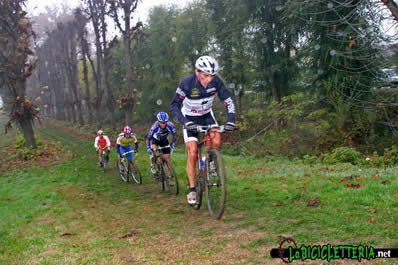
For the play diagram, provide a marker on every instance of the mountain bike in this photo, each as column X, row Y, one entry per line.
column 165, row 175
column 210, row 177
column 128, row 169
column 104, row 158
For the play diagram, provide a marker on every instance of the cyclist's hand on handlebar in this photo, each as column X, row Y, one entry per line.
column 149, row 150
column 173, row 146
column 229, row 127
column 190, row 126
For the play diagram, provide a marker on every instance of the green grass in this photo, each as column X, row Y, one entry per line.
column 267, row 200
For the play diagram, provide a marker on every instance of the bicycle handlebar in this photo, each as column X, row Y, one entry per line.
column 163, row 147
column 132, row 151
column 205, row 128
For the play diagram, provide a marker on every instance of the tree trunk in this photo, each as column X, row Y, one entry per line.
column 87, row 88
column 128, row 108
column 28, row 133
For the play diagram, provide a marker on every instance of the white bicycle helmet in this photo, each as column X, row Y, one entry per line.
column 207, row 64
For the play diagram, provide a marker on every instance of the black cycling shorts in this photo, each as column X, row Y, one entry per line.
column 162, row 144
column 206, row 119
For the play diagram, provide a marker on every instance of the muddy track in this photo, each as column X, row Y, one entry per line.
column 159, row 220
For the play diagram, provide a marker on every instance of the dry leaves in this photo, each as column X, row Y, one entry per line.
column 129, row 234
column 314, row 202
column 68, row 234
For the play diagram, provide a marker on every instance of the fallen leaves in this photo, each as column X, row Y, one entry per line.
column 129, row 234
column 396, row 195
column 68, row 234
column 356, row 186
column 314, row 202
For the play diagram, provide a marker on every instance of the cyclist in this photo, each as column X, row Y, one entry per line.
column 124, row 141
column 102, row 143
column 192, row 105
column 158, row 136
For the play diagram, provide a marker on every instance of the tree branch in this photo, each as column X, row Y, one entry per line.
column 392, row 6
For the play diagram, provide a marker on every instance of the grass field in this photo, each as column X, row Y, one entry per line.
column 73, row 213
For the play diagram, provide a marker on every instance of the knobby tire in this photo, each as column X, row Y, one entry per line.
column 216, row 190
column 170, row 177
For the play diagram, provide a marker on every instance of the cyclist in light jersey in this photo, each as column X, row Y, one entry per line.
column 102, row 143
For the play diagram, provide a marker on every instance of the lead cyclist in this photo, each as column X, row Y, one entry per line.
column 192, row 106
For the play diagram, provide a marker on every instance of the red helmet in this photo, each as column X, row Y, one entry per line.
column 127, row 130
column 100, row 132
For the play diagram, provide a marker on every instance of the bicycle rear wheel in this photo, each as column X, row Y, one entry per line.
column 215, row 181
column 123, row 170
column 170, row 177
column 134, row 172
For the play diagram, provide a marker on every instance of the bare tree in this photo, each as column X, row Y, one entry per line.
column 16, row 38
column 128, row 7
column 392, row 6
column 97, row 13
column 81, row 22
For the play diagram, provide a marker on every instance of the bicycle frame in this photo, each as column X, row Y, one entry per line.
column 206, row 129
column 207, row 182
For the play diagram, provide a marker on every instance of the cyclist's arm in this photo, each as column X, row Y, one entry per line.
column 118, row 145
column 150, row 136
column 96, row 142
column 135, row 142
column 225, row 98
column 173, row 131
column 176, row 105
column 108, row 143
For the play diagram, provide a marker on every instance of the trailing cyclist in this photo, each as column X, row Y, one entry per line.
column 124, row 141
column 158, row 136
column 102, row 144
column 192, row 105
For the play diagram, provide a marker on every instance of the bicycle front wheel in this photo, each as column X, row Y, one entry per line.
column 215, row 182
column 105, row 161
column 134, row 172
column 170, row 177
column 123, row 170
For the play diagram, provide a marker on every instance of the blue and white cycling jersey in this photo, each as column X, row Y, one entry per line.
column 159, row 134
column 192, row 99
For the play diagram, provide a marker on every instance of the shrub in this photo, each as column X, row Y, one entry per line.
column 342, row 155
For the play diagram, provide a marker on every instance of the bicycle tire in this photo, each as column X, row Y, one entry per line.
column 123, row 171
column 215, row 182
column 104, row 161
column 159, row 178
column 170, row 177
column 199, row 191
column 134, row 172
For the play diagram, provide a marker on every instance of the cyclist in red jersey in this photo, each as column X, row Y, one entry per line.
column 102, row 143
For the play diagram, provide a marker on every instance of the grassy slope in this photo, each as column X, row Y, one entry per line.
column 267, row 199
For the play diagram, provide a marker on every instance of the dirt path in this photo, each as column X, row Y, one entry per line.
column 154, row 228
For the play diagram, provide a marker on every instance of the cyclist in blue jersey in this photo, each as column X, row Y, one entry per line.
column 158, row 136
column 192, row 105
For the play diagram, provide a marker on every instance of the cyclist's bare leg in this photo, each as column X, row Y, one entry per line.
column 100, row 155
column 151, row 157
column 192, row 149
column 167, row 156
column 215, row 138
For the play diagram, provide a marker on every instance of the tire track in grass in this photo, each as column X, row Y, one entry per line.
column 191, row 237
